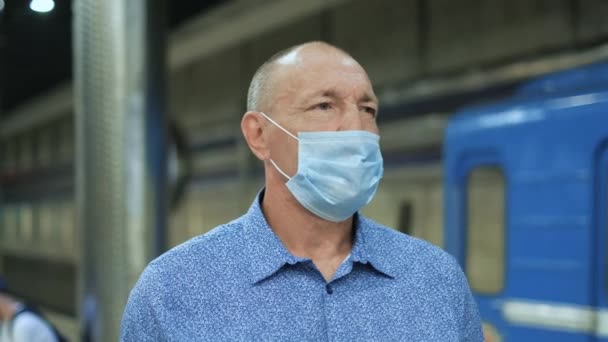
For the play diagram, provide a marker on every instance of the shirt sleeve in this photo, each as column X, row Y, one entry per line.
column 470, row 327
column 28, row 327
column 140, row 321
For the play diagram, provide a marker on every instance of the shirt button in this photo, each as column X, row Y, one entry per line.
column 329, row 289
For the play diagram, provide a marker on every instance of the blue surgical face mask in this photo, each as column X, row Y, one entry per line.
column 338, row 172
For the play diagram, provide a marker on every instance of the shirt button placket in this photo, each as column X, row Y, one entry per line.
column 329, row 311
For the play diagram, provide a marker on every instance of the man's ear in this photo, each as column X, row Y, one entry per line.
column 252, row 126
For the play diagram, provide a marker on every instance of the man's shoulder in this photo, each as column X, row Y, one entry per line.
column 407, row 252
column 200, row 259
column 219, row 240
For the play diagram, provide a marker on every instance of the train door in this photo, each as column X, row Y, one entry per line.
column 601, row 255
column 480, row 236
column 479, row 204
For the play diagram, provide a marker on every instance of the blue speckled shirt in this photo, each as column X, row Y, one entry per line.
column 239, row 283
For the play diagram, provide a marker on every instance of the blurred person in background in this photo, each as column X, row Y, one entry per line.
column 22, row 323
column 302, row 264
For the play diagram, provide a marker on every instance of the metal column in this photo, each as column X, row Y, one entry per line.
column 119, row 74
column 2, row 143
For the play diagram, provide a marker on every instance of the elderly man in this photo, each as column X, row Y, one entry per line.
column 302, row 264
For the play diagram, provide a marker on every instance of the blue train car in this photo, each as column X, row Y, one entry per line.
column 526, row 201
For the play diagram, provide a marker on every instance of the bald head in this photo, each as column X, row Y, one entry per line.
column 313, row 87
column 264, row 81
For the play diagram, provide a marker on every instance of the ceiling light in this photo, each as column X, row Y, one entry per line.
column 42, row 6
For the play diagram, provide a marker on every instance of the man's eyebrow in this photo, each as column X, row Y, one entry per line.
column 326, row 93
column 367, row 97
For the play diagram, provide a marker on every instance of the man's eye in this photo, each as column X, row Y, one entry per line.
column 370, row 110
column 323, row 106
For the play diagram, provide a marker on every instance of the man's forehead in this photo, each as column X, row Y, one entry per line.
column 306, row 84
column 319, row 70
column 290, row 58
column 315, row 54
column 340, row 66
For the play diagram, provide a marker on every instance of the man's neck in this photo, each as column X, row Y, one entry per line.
column 304, row 234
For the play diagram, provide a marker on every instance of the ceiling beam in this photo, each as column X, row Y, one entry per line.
column 230, row 25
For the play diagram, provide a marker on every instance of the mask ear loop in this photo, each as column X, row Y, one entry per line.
column 278, row 169
column 288, row 133
column 279, row 126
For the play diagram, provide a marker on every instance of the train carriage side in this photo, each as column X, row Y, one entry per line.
column 526, row 187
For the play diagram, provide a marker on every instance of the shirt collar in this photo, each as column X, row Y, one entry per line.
column 367, row 247
column 268, row 254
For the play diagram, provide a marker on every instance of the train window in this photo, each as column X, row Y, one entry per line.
column 405, row 217
column 485, row 266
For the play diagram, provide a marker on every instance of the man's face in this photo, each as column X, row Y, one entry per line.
column 318, row 90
